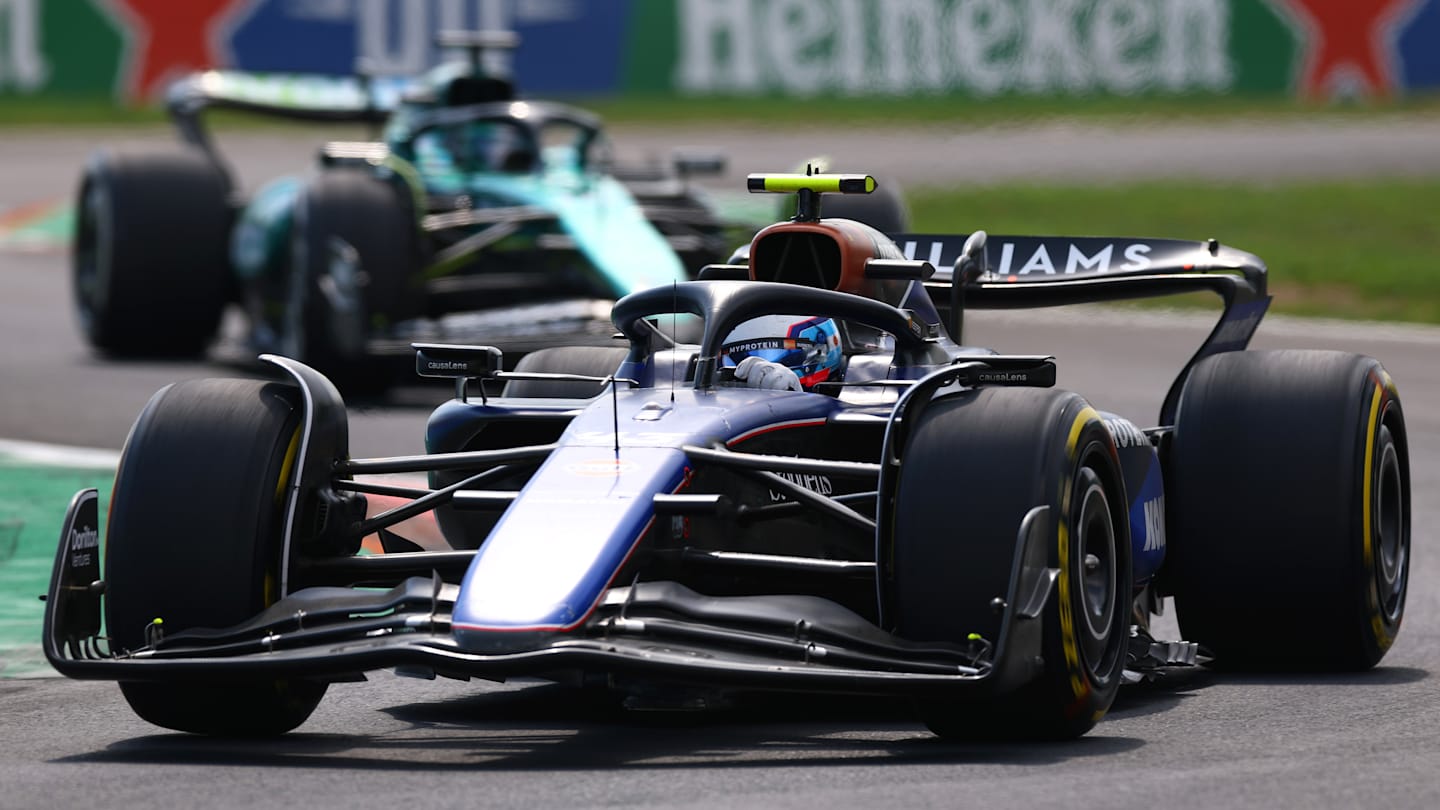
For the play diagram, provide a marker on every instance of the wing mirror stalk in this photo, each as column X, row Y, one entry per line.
column 969, row 267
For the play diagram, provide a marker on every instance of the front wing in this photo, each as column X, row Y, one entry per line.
column 657, row 631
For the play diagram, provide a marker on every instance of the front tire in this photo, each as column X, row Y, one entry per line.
column 149, row 265
column 972, row 469
column 1290, row 511
column 358, row 250
column 195, row 541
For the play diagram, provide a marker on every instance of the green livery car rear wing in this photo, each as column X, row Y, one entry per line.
column 306, row 97
column 298, row 97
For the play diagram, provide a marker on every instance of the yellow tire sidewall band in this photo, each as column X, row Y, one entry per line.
column 1079, row 684
column 1382, row 633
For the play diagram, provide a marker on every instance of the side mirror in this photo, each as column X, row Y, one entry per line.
column 460, row 363
column 902, row 269
column 725, row 272
column 699, row 164
column 971, row 264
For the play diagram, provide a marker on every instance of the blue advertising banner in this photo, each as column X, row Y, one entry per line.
column 1418, row 48
column 567, row 46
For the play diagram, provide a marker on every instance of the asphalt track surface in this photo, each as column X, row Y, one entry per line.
column 1201, row 740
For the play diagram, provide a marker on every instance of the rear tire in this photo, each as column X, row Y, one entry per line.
column 371, row 222
column 973, row 467
column 1290, row 510
column 195, row 541
column 150, row 261
column 883, row 209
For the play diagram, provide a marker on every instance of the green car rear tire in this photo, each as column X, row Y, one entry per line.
column 150, row 261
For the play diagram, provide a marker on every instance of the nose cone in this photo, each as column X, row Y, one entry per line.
column 551, row 558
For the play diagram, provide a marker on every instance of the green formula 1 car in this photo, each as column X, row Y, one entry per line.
column 475, row 216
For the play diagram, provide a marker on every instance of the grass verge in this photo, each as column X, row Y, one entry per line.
column 1359, row 250
column 33, row 498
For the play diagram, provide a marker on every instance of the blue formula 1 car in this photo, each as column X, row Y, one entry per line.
column 477, row 215
column 918, row 517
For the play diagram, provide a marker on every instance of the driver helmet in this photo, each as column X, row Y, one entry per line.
column 808, row 346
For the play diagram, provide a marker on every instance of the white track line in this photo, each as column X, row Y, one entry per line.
column 56, row 455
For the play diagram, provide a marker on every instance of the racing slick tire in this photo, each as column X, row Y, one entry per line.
column 592, row 361
column 1289, row 532
column 150, row 261
column 973, row 467
column 883, row 209
column 195, row 540
column 358, row 246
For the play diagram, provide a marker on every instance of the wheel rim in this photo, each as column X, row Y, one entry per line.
column 92, row 244
column 1392, row 535
column 1096, row 550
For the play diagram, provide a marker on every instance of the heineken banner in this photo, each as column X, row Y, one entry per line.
column 130, row 49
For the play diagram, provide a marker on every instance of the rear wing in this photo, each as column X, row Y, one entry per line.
column 1044, row 271
column 297, row 97
column 304, row 97
column 364, row 98
column 1042, row 259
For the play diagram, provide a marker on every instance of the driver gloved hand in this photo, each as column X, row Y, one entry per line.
column 756, row 372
